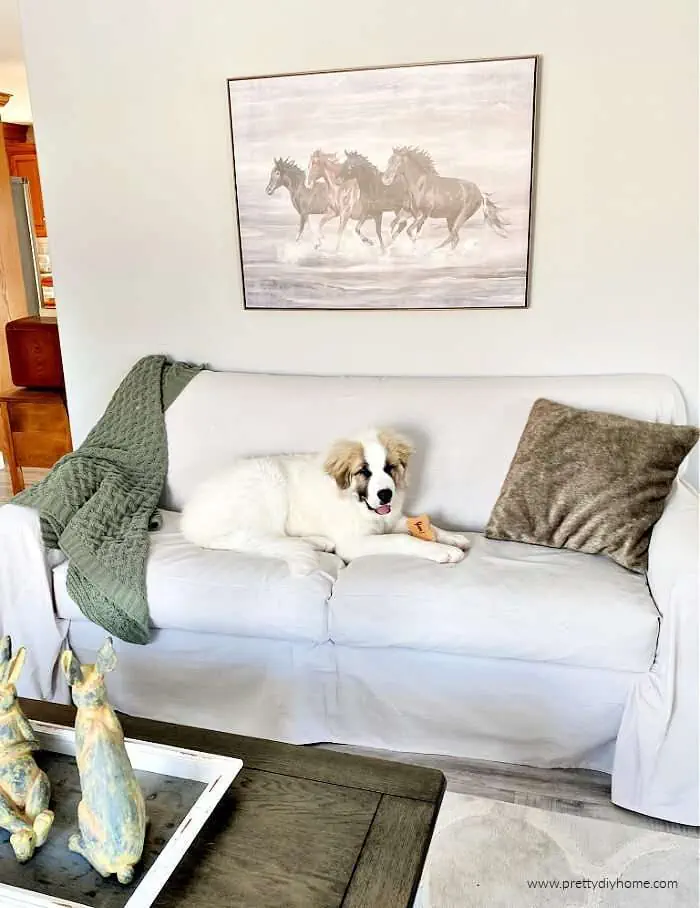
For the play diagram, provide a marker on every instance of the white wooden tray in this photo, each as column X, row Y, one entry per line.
column 215, row 772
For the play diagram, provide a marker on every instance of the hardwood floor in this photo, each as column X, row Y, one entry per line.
column 30, row 476
column 579, row 791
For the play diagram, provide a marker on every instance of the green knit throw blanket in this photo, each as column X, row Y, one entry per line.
column 98, row 503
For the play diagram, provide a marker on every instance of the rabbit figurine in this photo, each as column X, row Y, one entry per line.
column 24, row 789
column 112, row 812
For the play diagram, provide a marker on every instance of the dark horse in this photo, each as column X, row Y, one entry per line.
column 434, row 196
column 306, row 201
column 375, row 196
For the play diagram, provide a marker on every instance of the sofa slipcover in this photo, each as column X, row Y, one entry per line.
column 506, row 600
column 216, row 592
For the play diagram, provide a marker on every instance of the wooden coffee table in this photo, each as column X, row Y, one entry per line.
column 299, row 827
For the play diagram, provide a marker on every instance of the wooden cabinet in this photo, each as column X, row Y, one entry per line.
column 34, row 430
column 22, row 159
column 13, row 299
column 24, row 164
column 35, row 352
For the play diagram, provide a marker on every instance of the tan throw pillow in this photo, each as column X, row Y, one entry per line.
column 591, row 482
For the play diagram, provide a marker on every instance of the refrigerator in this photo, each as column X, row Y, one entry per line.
column 28, row 247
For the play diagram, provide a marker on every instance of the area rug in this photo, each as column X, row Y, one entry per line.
column 489, row 854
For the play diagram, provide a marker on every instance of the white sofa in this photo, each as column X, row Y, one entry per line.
column 520, row 653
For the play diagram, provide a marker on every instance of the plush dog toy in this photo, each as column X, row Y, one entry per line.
column 421, row 528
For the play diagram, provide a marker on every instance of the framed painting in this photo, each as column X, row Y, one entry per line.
column 402, row 187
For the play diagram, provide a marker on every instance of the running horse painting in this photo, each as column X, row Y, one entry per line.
column 394, row 188
column 343, row 195
column 305, row 200
column 433, row 196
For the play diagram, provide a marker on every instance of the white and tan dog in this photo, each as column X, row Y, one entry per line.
column 293, row 506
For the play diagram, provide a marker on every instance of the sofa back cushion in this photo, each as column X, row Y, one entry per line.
column 465, row 430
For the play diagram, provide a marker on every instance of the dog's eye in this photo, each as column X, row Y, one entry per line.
column 364, row 472
column 389, row 468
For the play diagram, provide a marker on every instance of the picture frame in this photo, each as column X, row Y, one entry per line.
column 390, row 187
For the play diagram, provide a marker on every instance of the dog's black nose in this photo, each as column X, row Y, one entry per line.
column 384, row 495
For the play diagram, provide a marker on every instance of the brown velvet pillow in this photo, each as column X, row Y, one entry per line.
column 591, row 482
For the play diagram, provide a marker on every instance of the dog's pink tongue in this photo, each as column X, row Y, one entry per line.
column 383, row 509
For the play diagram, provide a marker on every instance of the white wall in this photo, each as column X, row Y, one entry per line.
column 131, row 119
column 13, row 78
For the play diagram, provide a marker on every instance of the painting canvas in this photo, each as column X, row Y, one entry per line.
column 406, row 187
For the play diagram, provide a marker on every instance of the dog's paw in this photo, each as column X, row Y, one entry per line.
column 448, row 554
column 320, row 543
column 460, row 540
column 303, row 564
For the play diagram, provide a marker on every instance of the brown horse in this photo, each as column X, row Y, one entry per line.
column 375, row 196
column 306, row 201
column 343, row 195
column 434, row 196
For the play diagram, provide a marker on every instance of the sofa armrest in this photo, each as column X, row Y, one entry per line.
column 656, row 768
column 27, row 610
column 673, row 554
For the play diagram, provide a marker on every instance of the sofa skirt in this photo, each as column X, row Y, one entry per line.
column 540, row 714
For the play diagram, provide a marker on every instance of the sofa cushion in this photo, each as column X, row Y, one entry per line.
column 589, row 481
column 506, row 600
column 218, row 592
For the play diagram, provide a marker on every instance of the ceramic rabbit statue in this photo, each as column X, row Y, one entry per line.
column 112, row 812
column 24, row 789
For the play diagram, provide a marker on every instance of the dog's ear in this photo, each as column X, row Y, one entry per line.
column 398, row 450
column 343, row 460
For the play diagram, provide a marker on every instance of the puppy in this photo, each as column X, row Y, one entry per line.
column 293, row 506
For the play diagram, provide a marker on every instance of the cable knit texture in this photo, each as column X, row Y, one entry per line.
column 98, row 503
